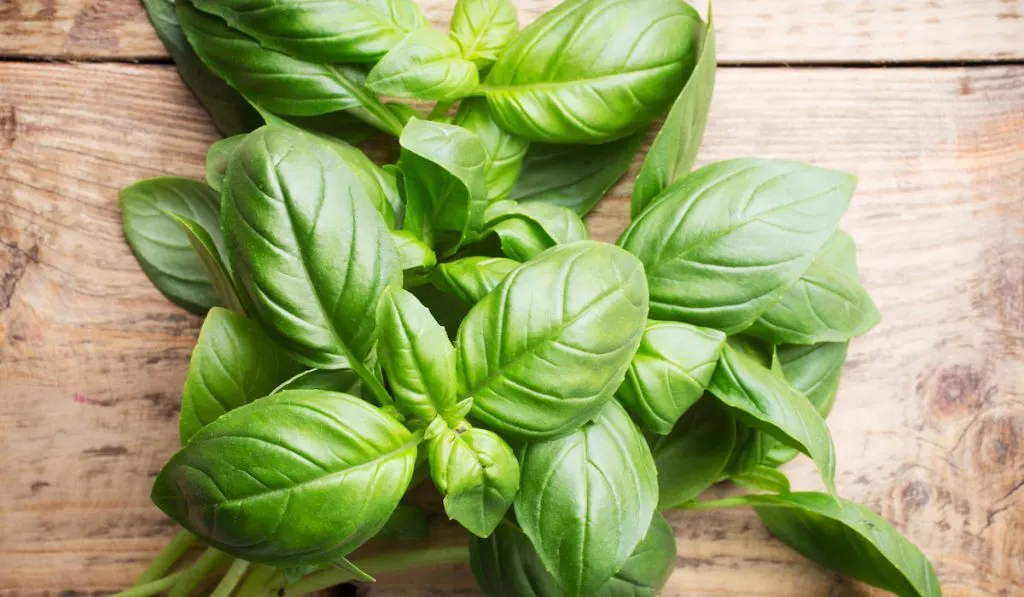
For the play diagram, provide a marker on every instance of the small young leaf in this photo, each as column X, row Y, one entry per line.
column 574, row 176
column 762, row 478
column 540, row 368
column 162, row 246
column 426, row 65
column 269, row 464
column 483, row 28
column 210, row 254
column 443, row 169
column 472, row 278
column 413, row 256
column 669, row 373
column 526, row 230
column 827, row 303
column 217, row 157
column 694, row 455
column 478, row 475
column 647, row 570
column 675, row 148
column 233, row 363
column 723, row 245
column 504, row 152
column 417, row 356
column 765, row 401
column 587, row 499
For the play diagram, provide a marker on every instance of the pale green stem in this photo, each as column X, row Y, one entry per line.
column 257, row 581
column 419, row 558
column 206, row 564
column 733, row 502
column 371, row 381
column 154, row 587
column 163, row 561
column 231, row 579
column 440, row 111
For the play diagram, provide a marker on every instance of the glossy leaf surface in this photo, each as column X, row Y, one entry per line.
column 762, row 478
column 528, row 229
column 249, row 482
column 209, row 254
column 587, row 499
column 217, row 157
column 413, row 255
column 471, row 278
column 550, row 85
column 724, row 244
column 504, row 152
column 669, row 372
column 694, row 455
column 483, row 28
column 546, row 349
column 426, row 65
column 345, row 381
column 647, row 570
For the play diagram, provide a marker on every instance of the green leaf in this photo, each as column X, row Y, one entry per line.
column 694, row 455
column 528, row 229
column 334, row 126
column 210, row 254
column 230, row 112
column 762, row 478
column 330, row 31
column 443, row 169
column 545, row 350
column 483, row 28
column 162, row 246
column 848, row 538
column 550, row 85
column 766, row 402
column 417, row 356
column 406, row 522
column 827, row 303
column 472, row 278
column 426, row 65
column 217, row 157
column 587, row 499
column 675, row 148
column 345, row 381
column 504, row 153
column 414, row 256
column 724, row 244
column 233, row 364
column 478, row 475
column 449, row 313
column 669, row 373
column 263, row 482
column 574, row 176
column 648, row 568
column 307, row 247
column 814, row 372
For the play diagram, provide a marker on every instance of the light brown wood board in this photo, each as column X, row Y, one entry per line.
column 750, row 31
column 929, row 425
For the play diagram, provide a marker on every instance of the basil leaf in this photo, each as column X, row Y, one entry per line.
column 504, row 153
column 762, row 478
column 724, row 244
column 345, row 381
column 766, row 402
column 247, row 483
column 417, row 356
column 550, row 86
column 669, row 373
column 426, row 65
column 307, row 246
column 540, row 368
column 482, row 28
column 478, row 475
column 334, row 126
column 217, row 157
column 329, row 32
column 526, row 230
column 587, row 499
column 443, row 169
column 414, row 256
column 406, row 522
column 230, row 112
column 694, row 455
column 472, row 278
column 848, row 538
column 675, row 148
column 648, row 568
column 209, row 254
column 234, row 363
column 449, row 313
column 162, row 246
column 827, row 304
column 574, row 176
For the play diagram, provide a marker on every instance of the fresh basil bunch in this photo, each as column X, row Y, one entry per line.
column 445, row 316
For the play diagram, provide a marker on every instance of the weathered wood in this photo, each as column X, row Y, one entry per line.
column 930, row 421
column 751, row 31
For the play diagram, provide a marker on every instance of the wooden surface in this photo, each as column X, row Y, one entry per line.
column 929, row 426
column 751, row 31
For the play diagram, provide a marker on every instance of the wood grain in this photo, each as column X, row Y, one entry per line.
column 929, row 425
column 751, row 31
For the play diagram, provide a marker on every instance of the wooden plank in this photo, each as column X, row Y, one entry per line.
column 930, row 421
column 751, row 31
